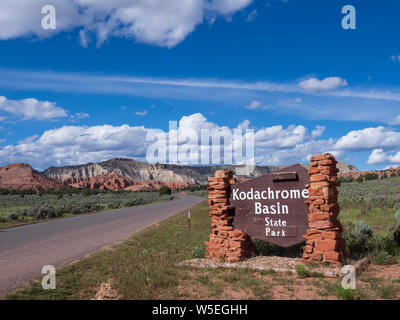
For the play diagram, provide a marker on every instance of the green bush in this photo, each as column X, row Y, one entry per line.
column 199, row 251
column 371, row 176
column 12, row 216
column 383, row 258
column 358, row 236
column 301, row 271
column 165, row 190
column 345, row 294
column 360, row 179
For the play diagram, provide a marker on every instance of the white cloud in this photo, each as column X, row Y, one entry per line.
column 20, row 18
column 32, row 109
column 296, row 100
column 378, row 156
column 279, row 138
column 70, row 145
column 157, row 22
column 83, row 38
column 252, row 15
column 325, row 85
column 395, row 121
column 319, row 130
column 244, row 124
column 275, row 145
column 79, row 115
column 368, row 139
column 395, row 58
column 141, row 114
column 256, row 105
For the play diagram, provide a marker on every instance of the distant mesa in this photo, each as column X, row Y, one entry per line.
column 126, row 174
column 21, row 176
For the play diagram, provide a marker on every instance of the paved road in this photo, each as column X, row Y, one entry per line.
column 25, row 250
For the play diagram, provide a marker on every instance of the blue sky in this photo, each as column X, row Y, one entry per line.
column 285, row 68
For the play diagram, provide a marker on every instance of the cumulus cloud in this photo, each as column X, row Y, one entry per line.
column 395, row 121
column 20, row 18
column 32, row 109
column 70, row 145
column 157, row 22
column 319, row 130
column 379, row 156
column 275, row 145
column 325, row 85
column 369, row 139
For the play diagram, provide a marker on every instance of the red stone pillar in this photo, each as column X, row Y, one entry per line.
column 226, row 243
column 324, row 237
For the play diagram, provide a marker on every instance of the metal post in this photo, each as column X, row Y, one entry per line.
column 189, row 221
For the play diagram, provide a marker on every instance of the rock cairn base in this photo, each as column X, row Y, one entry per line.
column 226, row 243
column 325, row 243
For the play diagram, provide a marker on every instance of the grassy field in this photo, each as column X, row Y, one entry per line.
column 374, row 201
column 21, row 209
column 145, row 267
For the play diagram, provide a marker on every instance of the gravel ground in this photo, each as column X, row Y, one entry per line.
column 276, row 263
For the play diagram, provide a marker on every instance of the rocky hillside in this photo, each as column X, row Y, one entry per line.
column 22, row 176
column 128, row 174
column 158, row 173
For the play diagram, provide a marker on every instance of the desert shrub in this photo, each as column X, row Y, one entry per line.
column 13, row 216
column 199, row 251
column 86, row 192
column 360, row 179
column 345, row 294
column 358, row 236
column 383, row 258
column 4, row 192
column 371, row 176
column 263, row 248
column 114, row 205
column 348, row 179
column 301, row 271
column 165, row 190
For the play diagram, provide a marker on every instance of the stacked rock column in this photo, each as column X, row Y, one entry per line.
column 226, row 243
column 325, row 243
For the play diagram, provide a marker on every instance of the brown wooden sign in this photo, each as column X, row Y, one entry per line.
column 272, row 207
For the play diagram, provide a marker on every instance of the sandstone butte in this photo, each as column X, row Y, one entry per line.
column 20, row 176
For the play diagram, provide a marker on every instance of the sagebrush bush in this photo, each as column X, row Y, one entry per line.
column 165, row 190
column 358, row 236
column 13, row 216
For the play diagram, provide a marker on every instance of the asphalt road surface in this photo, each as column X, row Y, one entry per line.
column 25, row 250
